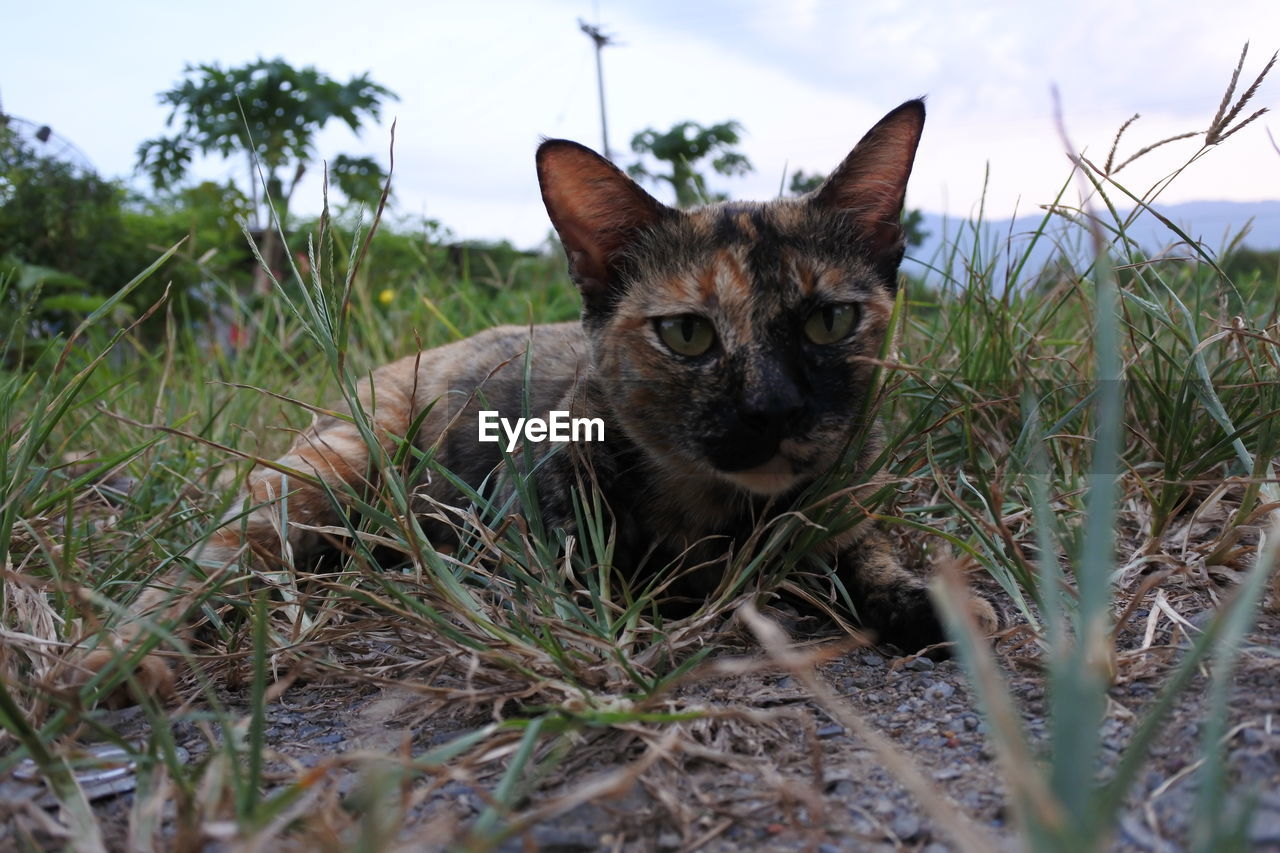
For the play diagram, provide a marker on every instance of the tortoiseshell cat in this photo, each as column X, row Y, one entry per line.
column 727, row 350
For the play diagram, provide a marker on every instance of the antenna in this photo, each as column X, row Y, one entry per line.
column 601, row 40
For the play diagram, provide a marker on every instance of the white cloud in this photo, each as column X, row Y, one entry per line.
column 480, row 83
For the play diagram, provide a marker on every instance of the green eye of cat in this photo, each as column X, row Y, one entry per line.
column 686, row 334
column 830, row 323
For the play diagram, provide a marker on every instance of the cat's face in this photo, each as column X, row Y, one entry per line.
column 737, row 341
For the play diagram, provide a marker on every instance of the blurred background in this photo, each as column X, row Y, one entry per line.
column 700, row 100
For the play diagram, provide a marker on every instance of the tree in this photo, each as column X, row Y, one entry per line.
column 360, row 179
column 269, row 112
column 803, row 182
column 912, row 220
column 681, row 148
column 70, row 238
column 913, row 226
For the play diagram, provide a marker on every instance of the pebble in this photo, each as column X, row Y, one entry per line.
column 906, row 826
column 971, row 722
column 1202, row 619
column 939, row 691
column 463, row 798
column 551, row 837
column 872, row 659
column 445, row 736
column 831, row 730
column 920, row 664
column 1265, row 828
column 454, row 789
column 669, row 841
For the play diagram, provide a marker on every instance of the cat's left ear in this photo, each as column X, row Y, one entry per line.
column 597, row 211
column 871, row 184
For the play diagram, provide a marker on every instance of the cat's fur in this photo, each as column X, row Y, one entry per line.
column 698, row 449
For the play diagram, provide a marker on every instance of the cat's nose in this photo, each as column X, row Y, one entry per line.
column 766, row 411
column 755, row 429
column 768, row 407
column 774, row 425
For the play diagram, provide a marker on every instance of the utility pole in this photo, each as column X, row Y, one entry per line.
column 602, row 40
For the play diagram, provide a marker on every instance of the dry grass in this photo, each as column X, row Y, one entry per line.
column 569, row 687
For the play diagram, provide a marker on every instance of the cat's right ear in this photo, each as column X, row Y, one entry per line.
column 870, row 186
column 597, row 211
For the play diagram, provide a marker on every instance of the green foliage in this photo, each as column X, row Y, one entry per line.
column 270, row 112
column 1141, row 404
column 1014, row 442
column 69, row 239
column 1245, row 265
column 681, row 149
column 54, row 215
column 803, row 183
column 959, row 425
column 360, row 179
column 209, row 215
column 913, row 225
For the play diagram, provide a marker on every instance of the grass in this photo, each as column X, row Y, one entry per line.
column 1062, row 432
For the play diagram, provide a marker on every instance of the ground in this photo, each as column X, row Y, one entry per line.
column 767, row 768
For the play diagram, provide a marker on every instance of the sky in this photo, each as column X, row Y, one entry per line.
column 480, row 83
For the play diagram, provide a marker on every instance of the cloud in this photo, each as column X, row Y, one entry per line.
column 481, row 83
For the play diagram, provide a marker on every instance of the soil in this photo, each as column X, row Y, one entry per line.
column 771, row 770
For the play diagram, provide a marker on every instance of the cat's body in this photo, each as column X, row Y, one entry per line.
column 729, row 352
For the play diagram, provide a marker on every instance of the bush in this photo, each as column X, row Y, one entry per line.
column 70, row 238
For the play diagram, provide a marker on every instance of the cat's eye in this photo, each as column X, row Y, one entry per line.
column 830, row 323
column 686, row 334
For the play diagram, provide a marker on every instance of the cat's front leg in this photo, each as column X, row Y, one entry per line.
column 266, row 529
column 893, row 602
column 260, row 531
column 269, row 519
column 559, row 478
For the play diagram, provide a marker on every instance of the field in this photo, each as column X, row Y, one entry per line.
column 1091, row 443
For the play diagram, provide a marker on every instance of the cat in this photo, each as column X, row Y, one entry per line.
column 728, row 352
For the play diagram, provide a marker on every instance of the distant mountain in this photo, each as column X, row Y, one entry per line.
column 1213, row 223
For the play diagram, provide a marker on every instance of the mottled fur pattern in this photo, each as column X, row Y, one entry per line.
column 699, row 449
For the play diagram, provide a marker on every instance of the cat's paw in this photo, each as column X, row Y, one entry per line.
column 984, row 613
column 912, row 622
column 906, row 618
column 152, row 674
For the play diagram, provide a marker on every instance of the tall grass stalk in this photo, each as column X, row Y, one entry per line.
column 1063, row 804
column 1029, row 412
